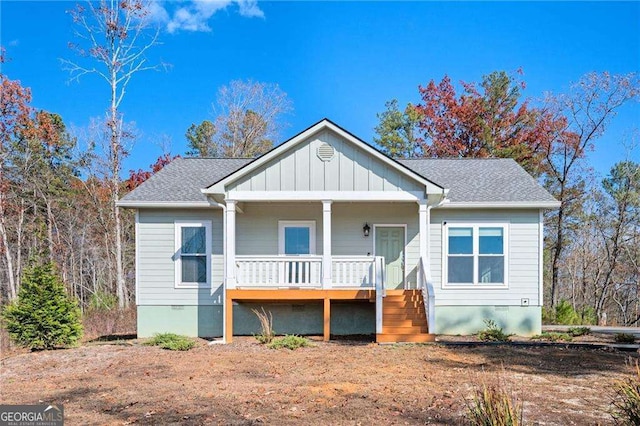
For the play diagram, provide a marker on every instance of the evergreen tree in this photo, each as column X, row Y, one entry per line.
column 43, row 316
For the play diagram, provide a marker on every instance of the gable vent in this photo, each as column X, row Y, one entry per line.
column 326, row 152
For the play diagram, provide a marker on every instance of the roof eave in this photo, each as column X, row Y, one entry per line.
column 130, row 204
column 549, row 205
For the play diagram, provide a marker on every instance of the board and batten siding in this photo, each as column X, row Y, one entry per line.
column 523, row 258
column 156, row 266
column 300, row 169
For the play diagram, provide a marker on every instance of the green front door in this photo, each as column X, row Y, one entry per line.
column 390, row 245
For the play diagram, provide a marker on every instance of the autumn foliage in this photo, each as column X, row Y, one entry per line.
column 486, row 120
column 137, row 178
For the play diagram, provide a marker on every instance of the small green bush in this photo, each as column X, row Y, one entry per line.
column 626, row 403
column 553, row 336
column 624, row 338
column 171, row 341
column 44, row 316
column 290, row 342
column 492, row 405
column 588, row 316
column 266, row 326
column 564, row 314
column 493, row 333
column 579, row 331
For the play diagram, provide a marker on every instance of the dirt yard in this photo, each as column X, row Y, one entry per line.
column 329, row 383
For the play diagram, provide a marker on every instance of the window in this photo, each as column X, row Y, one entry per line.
column 475, row 255
column 297, row 237
column 193, row 254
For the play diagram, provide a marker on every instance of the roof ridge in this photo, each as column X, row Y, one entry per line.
column 217, row 158
column 457, row 159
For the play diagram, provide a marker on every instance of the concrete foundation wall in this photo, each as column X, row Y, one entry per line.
column 465, row 320
column 304, row 319
column 194, row 321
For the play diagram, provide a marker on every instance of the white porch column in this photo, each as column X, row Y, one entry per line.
column 230, row 249
column 326, row 244
column 423, row 218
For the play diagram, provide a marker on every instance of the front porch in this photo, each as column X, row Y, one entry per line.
column 299, row 279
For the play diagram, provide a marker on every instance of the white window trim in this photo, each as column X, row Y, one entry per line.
column 178, row 225
column 311, row 224
column 476, row 239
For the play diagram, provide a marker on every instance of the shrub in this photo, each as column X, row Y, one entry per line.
column 588, row 316
column 578, row 331
column 492, row 405
column 624, row 338
column 171, row 341
column 493, row 333
column 626, row 403
column 266, row 325
column 548, row 315
column 553, row 336
column 43, row 316
column 290, row 342
column 565, row 314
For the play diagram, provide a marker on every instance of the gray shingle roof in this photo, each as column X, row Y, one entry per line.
column 469, row 180
column 483, row 180
column 183, row 178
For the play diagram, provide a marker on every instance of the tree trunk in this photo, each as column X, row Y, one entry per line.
column 115, row 181
column 559, row 246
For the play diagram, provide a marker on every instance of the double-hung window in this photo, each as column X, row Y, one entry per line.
column 475, row 255
column 193, row 254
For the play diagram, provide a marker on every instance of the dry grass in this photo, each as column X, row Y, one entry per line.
column 266, row 326
column 494, row 404
column 626, row 404
column 103, row 323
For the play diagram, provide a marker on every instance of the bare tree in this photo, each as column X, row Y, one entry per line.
column 580, row 118
column 248, row 114
column 115, row 36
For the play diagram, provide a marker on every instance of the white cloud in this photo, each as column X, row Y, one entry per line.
column 250, row 9
column 195, row 15
column 157, row 13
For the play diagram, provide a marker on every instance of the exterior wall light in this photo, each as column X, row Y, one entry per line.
column 365, row 229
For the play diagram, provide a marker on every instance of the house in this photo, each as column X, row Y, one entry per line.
column 333, row 237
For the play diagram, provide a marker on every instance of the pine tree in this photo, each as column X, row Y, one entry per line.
column 43, row 316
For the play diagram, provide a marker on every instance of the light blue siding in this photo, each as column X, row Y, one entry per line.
column 156, row 266
column 523, row 280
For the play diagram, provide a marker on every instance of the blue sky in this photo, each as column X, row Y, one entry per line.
column 340, row 60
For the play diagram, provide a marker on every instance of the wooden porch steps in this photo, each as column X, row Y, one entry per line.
column 404, row 318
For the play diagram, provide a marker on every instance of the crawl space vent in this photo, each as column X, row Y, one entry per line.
column 326, row 152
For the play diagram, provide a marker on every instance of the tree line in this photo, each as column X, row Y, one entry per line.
column 58, row 196
column 58, row 200
column 592, row 242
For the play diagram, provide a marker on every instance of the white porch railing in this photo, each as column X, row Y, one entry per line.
column 350, row 271
column 279, row 271
column 306, row 271
column 428, row 294
column 380, row 292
